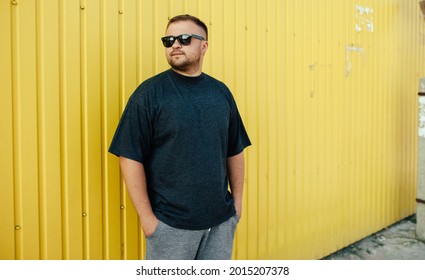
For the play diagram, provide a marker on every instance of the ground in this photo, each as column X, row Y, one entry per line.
column 397, row 242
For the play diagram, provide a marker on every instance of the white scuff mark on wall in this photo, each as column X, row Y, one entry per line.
column 348, row 64
column 364, row 19
column 422, row 85
column 421, row 125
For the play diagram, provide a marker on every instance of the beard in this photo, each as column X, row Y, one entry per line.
column 183, row 63
column 180, row 65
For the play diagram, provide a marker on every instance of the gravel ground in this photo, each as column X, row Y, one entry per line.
column 397, row 242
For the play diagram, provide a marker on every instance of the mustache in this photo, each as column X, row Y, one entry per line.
column 177, row 52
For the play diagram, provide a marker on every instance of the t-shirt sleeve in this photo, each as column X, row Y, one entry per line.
column 238, row 137
column 133, row 135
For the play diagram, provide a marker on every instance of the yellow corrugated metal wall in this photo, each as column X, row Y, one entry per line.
column 327, row 89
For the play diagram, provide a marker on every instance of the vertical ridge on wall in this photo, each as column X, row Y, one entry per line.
column 63, row 135
column 299, row 131
column 91, row 142
column 17, row 173
column 110, row 110
column 83, row 94
column 41, row 129
column 277, row 121
column 239, row 89
column 127, row 83
column 25, row 124
column 122, row 102
column 48, row 132
column 106, row 210
column 407, row 117
column 251, row 120
column 259, row 108
column 70, row 108
column 272, row 120
column 111, row 239
column 288, row 64
column 7, row 205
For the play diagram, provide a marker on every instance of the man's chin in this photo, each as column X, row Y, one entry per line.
column 179, row 67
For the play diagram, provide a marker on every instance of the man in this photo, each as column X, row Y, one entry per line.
column 180, row 142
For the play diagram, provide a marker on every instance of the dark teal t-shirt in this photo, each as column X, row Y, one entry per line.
column 182, row 129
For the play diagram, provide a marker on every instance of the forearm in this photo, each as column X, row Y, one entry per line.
column 135, row 181
column 236, row 173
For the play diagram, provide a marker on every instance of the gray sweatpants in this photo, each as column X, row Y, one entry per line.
column 168, row 243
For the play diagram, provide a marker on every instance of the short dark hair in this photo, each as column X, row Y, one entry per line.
column 187, row 17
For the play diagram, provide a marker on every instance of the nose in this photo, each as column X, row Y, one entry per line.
column 178, row 44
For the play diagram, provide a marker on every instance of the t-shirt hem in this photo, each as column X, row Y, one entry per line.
column 240, row 150
column 192, row 227
column 129, row 156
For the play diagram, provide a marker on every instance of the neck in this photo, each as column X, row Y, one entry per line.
column 189, row 73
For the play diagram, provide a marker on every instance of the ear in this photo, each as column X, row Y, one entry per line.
column 204, row 46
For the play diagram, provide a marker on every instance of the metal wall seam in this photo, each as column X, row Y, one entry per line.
column 15, row 92
column 7, row 192
column 48, row 119
column 64, row 174
column 25, row 124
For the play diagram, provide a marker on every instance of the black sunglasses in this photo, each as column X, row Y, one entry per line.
column 184, row 39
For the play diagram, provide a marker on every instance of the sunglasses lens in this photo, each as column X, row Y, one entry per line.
column 184, row 39
column 168, row 41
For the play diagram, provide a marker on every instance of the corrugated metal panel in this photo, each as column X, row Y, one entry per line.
column 327, row 90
